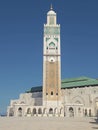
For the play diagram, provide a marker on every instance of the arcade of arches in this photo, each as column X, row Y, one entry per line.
column 69, row 111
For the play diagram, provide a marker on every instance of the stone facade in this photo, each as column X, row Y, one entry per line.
column 87, row 97
column 75, row 102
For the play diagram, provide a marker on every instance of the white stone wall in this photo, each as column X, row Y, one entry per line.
column 87, row 96
column 25, row 100
column 74, row 102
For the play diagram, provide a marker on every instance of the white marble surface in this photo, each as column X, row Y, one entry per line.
column 44, row 123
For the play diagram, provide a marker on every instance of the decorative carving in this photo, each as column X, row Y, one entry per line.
column 52, row 30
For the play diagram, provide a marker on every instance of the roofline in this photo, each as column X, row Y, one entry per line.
column 70, row 80
column 40, row 90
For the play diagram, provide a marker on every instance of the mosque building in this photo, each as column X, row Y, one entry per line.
column 69, row 97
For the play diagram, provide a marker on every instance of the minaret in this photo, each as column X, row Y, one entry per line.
column 51, row 61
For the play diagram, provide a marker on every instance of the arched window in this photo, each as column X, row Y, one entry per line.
column 46, row 93
column 39, row 111
column 71, row 111
column 28, row 111
column 19, row 111
column 51, row 92
column 79, row 110
column 50, row 111
column 90, row 112
column 85, row 112
column 51, row 44
column 34, row 111
column 78, row 102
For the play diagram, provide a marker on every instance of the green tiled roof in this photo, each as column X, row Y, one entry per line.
column 79, row 82
column 71, row 83
column 35, row 89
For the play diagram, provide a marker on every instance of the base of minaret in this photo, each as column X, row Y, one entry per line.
column 52, row 103
column 53, row 108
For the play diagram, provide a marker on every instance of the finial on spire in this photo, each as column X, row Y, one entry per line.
column 51, row 7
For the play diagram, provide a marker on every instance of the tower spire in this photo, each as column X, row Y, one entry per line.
column 51, row 8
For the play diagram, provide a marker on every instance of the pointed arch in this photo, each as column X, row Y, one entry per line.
column 34, row 111
column 90, row 112
column 29, row 111
column 71, row 111
column 78, row 100
column 51, row 44
column 51, row 111
column 19, row 111
column 85, row 112
column 39, row 111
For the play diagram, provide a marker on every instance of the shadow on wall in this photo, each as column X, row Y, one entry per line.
column 95, row 122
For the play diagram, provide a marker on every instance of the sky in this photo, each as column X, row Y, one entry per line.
column 21, row 42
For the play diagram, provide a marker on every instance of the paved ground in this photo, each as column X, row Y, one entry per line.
column 44, row 123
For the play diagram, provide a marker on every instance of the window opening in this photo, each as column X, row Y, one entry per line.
column 51, row 92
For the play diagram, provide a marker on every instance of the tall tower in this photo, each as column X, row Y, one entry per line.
column 51, row 61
